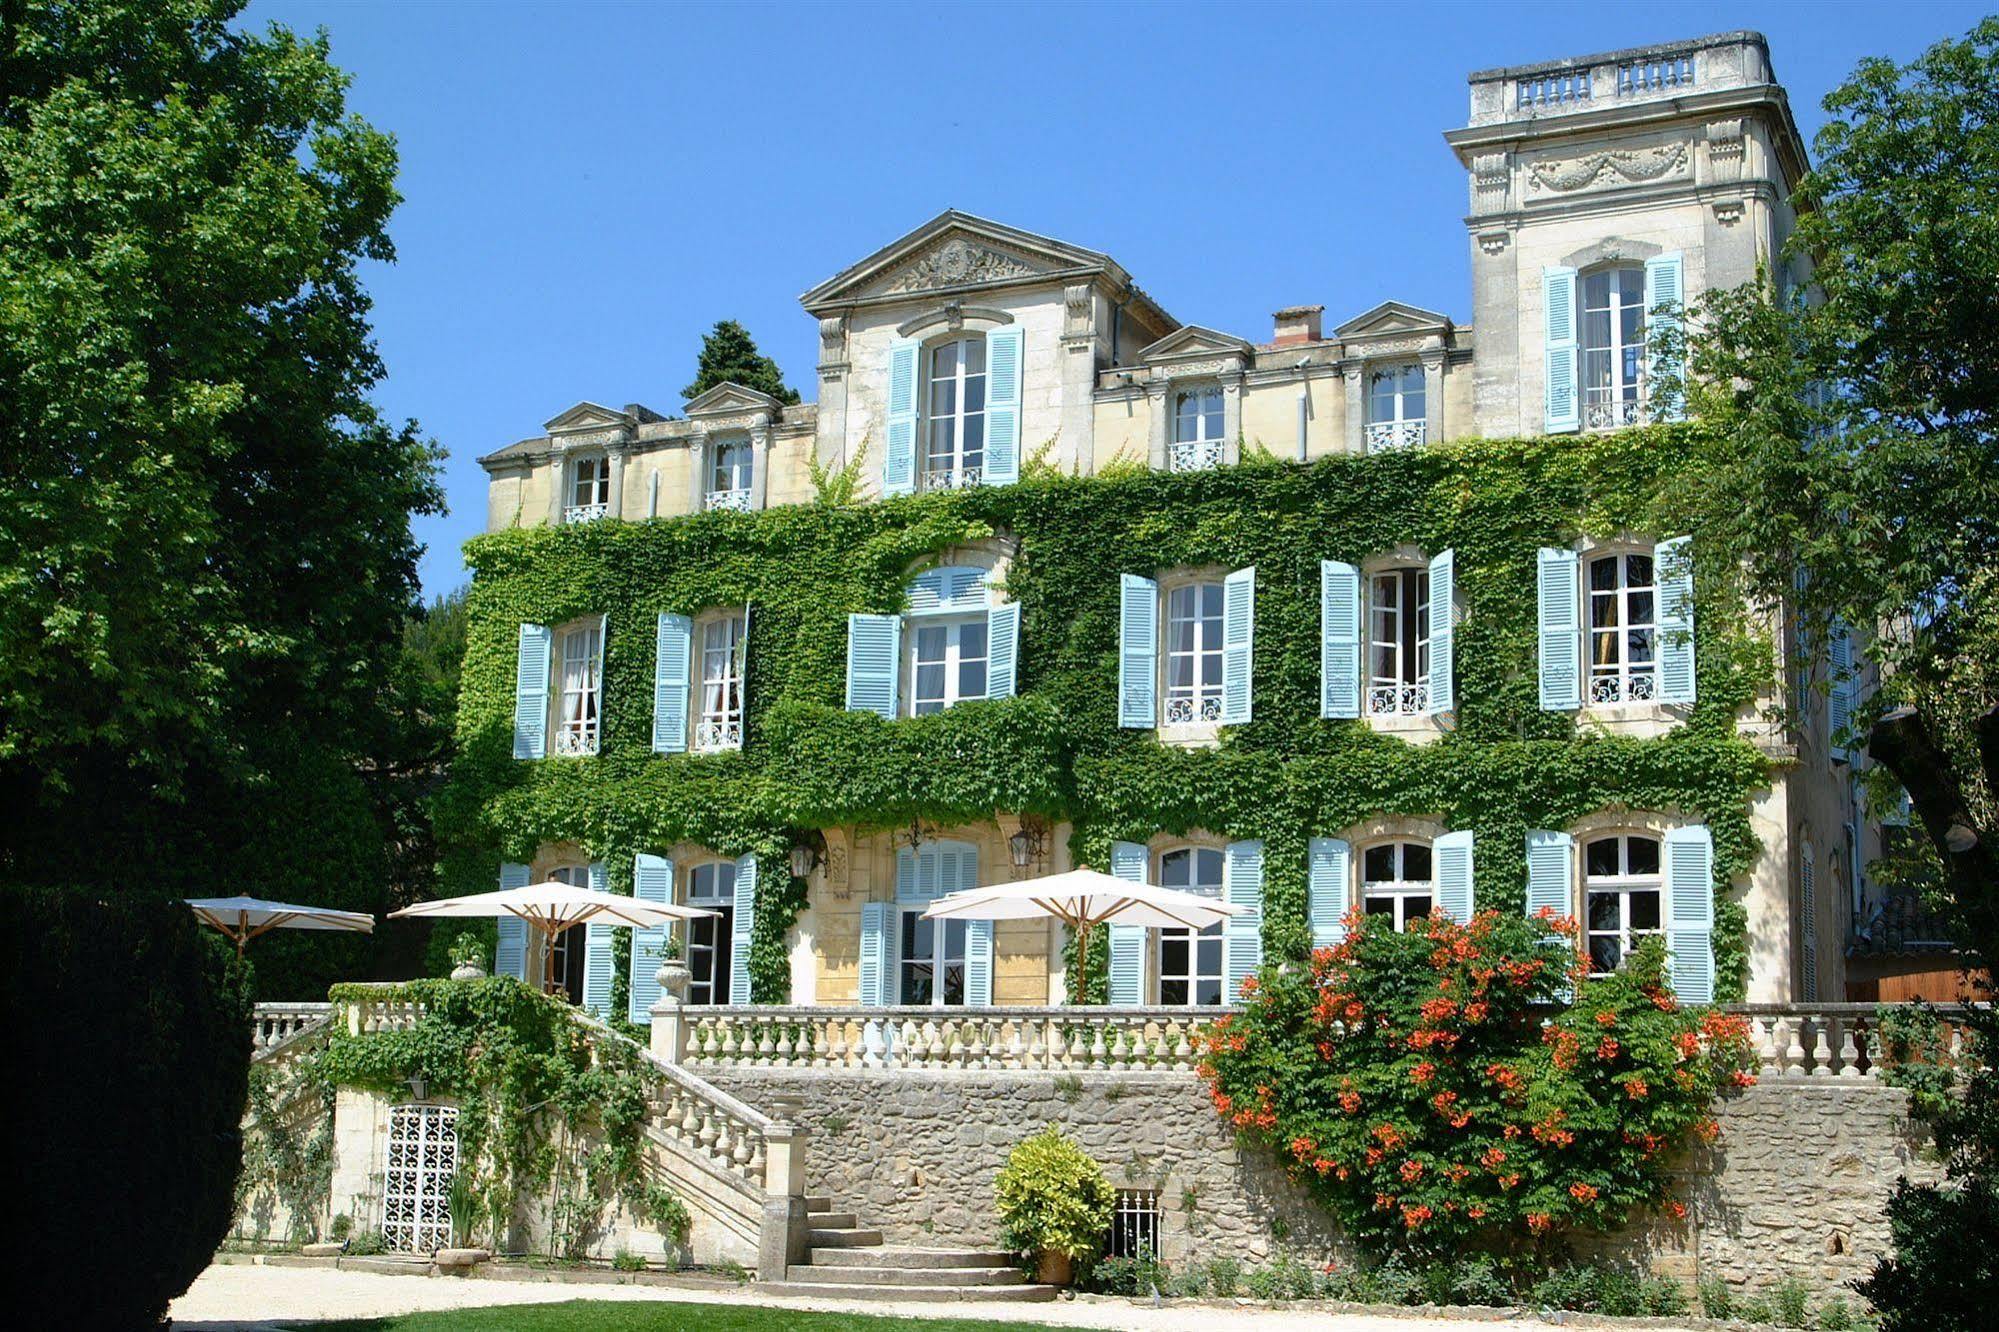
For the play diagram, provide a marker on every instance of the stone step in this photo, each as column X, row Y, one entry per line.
column 898, row 1257
column 827, row 1290
column 842, row 1239
column 813, row 1206
column 833, row 1220
column 990, row 1277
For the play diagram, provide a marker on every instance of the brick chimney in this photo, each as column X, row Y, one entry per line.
column 1296, row 324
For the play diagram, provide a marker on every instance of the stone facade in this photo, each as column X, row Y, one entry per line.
column 1793, row 1188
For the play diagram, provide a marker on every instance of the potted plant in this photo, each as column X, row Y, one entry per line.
column 464, row 1206
column 468, row 958
column 1054, row 1203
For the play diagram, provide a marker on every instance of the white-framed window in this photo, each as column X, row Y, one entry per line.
column 720, row 722
column 1398, row 642
column 566, row 947
column 589, row 489
column 713, row 886
column 1189, row 966
column 1622, row 899
column 954, row 417
column 1397, row 882
column 1396, row 408
column 1613, row 347
column 1197, row 429
column 1623, row 628
column 948, row 660
column 729, row 475
column 931, row 965
column 581, row 703
column 1194, row 653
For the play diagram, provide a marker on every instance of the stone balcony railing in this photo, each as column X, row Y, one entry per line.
column 1057, row 1039
column 274, row 1024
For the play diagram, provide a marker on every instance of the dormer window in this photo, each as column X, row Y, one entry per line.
column 589, row 490
column 1613, row 347
column 1396, row 409
column 729, row 477
column 1197, row 430
column 955, row 415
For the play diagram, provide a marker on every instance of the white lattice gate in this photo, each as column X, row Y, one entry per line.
column 416, row 1191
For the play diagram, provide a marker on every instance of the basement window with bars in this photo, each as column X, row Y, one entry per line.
column 1135, row 1225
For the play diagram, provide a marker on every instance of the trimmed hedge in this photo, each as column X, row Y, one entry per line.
column 127, row 1055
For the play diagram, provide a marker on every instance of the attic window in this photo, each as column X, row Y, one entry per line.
column 589, row 490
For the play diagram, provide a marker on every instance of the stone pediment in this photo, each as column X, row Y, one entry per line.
column 587, row 416
column 731, row 398
column 952, row 252
column 1192, row 340
column 1393, row 319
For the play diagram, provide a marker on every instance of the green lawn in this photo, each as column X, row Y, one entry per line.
column 620, row 1316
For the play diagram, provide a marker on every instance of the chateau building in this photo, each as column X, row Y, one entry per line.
column 1604, row 193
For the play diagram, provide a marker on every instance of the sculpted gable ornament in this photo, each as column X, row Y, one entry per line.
column 1633, row 165
column 957, row 263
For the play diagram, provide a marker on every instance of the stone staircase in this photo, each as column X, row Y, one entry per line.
column 848, row 1262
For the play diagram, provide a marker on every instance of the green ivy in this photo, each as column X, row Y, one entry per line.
column 1056, row 750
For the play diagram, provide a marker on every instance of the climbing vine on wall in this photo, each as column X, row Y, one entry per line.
column 1505, row 766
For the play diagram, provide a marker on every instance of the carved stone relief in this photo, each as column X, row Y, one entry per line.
column 1629, row 165
column 956, row 263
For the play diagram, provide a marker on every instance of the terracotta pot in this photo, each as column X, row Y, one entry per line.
column 1054, row 1269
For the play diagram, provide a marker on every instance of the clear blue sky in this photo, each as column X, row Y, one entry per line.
column 589, row 187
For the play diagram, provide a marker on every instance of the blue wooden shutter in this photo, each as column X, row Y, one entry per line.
column 742, row 929
column 1339, row 639
column 877, row 953
column 1839, row 691
column 531, row 692
column 1242, row 937
column 1127, row 978
column 1550, row 871
column 510, row 955
column 1562, row 405
column 1690, row 912
column 1443, row 631
column 1664, row 297
column 652, row 881
column 874, row 659
column 1452, row 864
column 1003, row 365
column 672, row 673
column 1002, row 649
column 1673, row 564
column 1238, row 644
column 597, row 964
column 1331, row 861
column 1138, row 652
column 899, row 460
column 979, row 963
column 1561, row 630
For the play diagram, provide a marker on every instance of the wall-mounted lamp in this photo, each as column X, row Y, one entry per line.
column 1029, row 842
column 419, row 1087
column 807, row 854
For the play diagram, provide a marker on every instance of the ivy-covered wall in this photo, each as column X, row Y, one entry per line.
column 1056, row 750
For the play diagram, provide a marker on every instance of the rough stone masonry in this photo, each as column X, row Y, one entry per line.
column 1793, row 1188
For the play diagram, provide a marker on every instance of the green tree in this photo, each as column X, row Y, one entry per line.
column 205, row 554
column 729, row 355
column 1852, row 470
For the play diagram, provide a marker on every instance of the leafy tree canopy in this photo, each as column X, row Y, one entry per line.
column 205, row 552
column 729, row 355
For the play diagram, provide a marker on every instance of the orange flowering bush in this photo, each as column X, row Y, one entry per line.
column 1433, row 1087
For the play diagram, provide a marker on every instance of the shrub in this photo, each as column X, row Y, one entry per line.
column 1717, row 1300
column 367, row 1244
column 1131, row 1276
column 624, row 1260
column 127, row 1057
column 1835, row 1316
column 1053, row 1198
column 1411, row 1083
column 1792, row 1300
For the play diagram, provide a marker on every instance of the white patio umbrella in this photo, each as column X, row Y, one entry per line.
column 554, row 907
column 244, row 918
column 1083, row 899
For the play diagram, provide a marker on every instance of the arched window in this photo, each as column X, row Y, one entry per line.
column 1621, row 897
column 1613, row 346
column 1623, row 628
column 1197, row 430
column 1193, row 657
column 589, row 489
column 1398, row 646
column 1189, row 965
column 712, row 886
column 955, row 414
column 1396, row 882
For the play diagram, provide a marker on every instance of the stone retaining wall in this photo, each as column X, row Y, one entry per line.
column 1793, row 1188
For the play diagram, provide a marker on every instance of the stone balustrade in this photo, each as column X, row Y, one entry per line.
column 1826, row 1040
column 1080, row 1038
column 274, row 1024
column 392, row 1010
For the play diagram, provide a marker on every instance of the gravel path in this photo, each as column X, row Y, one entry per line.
column 245, row 1298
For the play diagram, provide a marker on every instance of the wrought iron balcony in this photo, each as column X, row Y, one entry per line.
column 951, row 478
column 1197, row 455
column 576, row 738
column 1185, row 711
column 1614, row 408
column 713, row 734
column 1383, row 436
column 1637, row 687
column 585, row 513
column 739, row 500
column 1398, row 700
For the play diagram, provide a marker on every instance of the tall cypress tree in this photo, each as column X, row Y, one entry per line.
column 729, row 355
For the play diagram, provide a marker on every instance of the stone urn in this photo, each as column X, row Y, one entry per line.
column 466, row 971
column 674, row 978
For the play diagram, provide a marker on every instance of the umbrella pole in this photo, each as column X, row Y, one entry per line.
column 1078, row 995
